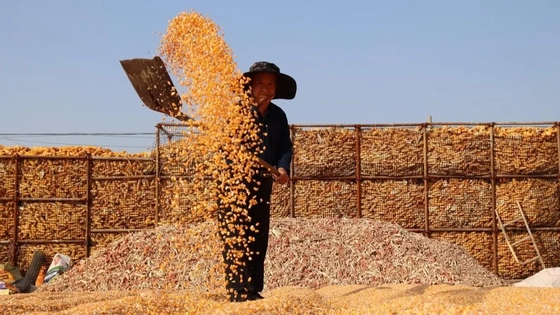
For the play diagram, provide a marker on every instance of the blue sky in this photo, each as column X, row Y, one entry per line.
column 356, row 62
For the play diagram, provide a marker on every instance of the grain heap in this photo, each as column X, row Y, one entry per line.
column 311, row 253
column 333, row 300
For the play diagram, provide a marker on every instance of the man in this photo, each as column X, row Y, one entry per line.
column 245, row 279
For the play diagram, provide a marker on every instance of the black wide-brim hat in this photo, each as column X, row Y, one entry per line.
column 286, row 86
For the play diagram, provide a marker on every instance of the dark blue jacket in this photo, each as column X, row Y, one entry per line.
column 275, row 133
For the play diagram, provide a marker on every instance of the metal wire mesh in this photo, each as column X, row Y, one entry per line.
column 43, row 177
column 51, row 221
column 7, row 176
column 547, row 243
column 178, row 200
column 391, row 151
column 280, row 201
column 6, row 220
column 539, row 197
column 114, row 168
column 526, row 151
column 176, row 154
column 123, row 203
column 460, row 203
column 333, row 198
column 459, row 151
column 454, row 199
column 396, row 201
column 324, row 152
column 5, row 253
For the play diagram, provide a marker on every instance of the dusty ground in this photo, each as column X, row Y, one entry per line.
column 384, row 299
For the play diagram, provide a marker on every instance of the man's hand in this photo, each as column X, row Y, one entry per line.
column 283, row 178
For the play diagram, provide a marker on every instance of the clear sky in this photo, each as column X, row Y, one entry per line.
column 355, row 62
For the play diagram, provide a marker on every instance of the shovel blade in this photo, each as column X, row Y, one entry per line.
column 154, row 86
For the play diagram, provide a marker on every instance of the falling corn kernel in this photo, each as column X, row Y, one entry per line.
column 195, row 51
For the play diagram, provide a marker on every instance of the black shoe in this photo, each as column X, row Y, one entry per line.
column 253, row 296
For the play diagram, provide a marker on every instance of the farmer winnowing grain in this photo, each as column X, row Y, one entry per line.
column 245, row 279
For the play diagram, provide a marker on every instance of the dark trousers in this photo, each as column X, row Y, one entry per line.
column 245, row 273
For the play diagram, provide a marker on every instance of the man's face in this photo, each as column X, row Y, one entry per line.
column 264, row 87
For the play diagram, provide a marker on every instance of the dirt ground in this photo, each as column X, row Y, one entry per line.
column 352, row 299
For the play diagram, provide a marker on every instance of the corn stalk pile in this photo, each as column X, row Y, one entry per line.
column 321, row 252
column 303, row 252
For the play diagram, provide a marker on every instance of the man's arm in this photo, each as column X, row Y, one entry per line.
column 285, row 147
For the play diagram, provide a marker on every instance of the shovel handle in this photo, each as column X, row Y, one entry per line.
column 269, row 167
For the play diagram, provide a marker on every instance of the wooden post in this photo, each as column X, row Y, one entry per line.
column 158, row 179
column 358, row 130
column 16, row 210
column 493, row 183
column 426, row 184
column 292, row 183
column 89, row 186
